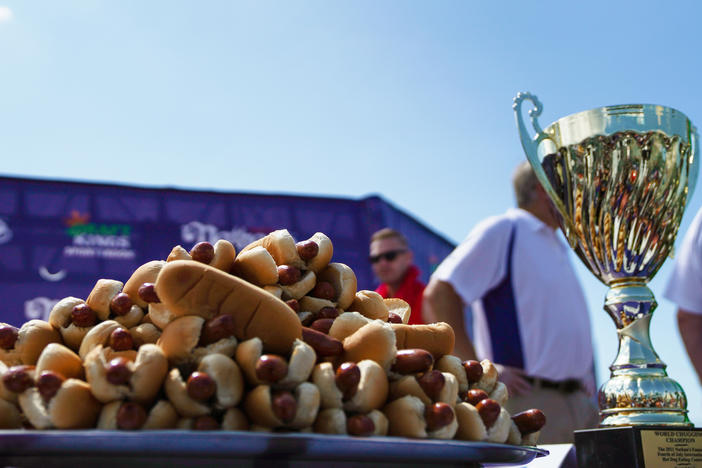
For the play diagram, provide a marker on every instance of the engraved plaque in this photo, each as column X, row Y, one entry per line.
column 671, row 448
column 639, row 447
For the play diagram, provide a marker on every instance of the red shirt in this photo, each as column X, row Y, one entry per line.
column 410, row 290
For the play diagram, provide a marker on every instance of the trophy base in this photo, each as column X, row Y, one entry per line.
column 639, row 447
column 644, row 417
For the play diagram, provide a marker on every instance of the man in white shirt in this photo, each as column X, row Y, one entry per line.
column 685, row 289
column 529, row 311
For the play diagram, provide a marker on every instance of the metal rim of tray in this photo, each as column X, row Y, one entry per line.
column 17, row 444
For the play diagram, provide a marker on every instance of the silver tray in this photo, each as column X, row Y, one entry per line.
column 246, row 449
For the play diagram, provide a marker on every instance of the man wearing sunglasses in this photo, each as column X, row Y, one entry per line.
column 529, row 311
column 391, row 260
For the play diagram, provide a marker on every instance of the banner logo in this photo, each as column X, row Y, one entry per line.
column 195, row 232
column 5, row 232
column 97, row 240
column 39, row 308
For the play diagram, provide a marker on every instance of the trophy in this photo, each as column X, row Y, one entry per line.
column 620, row 177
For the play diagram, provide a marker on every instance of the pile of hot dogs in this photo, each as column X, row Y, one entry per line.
column 274, row 338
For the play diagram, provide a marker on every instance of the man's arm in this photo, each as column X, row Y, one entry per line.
column 690, row 326
column 442, row 304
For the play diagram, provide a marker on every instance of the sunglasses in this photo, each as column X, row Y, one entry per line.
column 389, row 255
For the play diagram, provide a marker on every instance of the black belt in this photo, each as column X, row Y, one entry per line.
column 563, row 386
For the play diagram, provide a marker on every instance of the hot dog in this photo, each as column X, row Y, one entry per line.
column 145, row 333
column 355, row 387
column 58, row 358
column 347, row 324
column 316, row 252
column 24, row 345
column 145, row 274
column 216, row 383
column 409, row 417
column 487, row 420
column 343, row 284
column 108, row 334
column 73, row 319
column 270, row 408
column 191, row 288
column 116, row 376
column 412, row 361
column 15, row 380
column 275, row 370
column 453, row 365
column 399, row 308
column 281, row 245
column 232, row 420
column 529, row 424
column 70, row 405
column 10, row 417
column 488, row 379
column 190, row 338
column 220, row 255
column 324, row 345
column 314, row 304
column 430, row 387
column 131, row 416
column 109, row 303
column 370, row 304
column 256, row 266
column 296, row 284
column 337, row 421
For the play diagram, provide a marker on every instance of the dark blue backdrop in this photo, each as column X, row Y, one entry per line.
column 58, row 238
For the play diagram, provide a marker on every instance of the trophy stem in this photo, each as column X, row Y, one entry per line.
column 639, row 391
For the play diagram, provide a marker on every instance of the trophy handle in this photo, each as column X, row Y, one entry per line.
column 531, row 146
column 694, row 166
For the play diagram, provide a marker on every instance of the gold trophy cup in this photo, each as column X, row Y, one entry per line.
column 620, row 176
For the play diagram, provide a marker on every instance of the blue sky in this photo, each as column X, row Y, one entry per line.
column 407, row 99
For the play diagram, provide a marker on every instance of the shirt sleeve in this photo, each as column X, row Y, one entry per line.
column 685, row 283
column 479, row 263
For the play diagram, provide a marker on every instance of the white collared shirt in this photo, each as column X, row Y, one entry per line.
column 685, row 283
column 553, row 320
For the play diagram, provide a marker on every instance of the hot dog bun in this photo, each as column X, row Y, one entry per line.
column 370, row 304
column 281, row 245
column 298, row 289
column 406, row 417
column 470, row 424
column 58, row 358
column 324, row 255
column 437, row 338
column 32, row 338
column 147, row 373
column 259, row 407
column 146, row 273
column 256, row 266
column 73, row 407
column 408, row 385
column 60, row 319
column 347, row 324
column 10, row 417
column 489, row 379
column 453, row 365
column 191, row 288
column 343, row 279
column 372, row 389
column 224, row 254
column 399, row 307
column 228, row 379
column 375, row 341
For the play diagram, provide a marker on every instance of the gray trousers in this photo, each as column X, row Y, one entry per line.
column 565, row 412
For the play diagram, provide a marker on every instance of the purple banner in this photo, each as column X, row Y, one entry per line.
column 58, row 238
